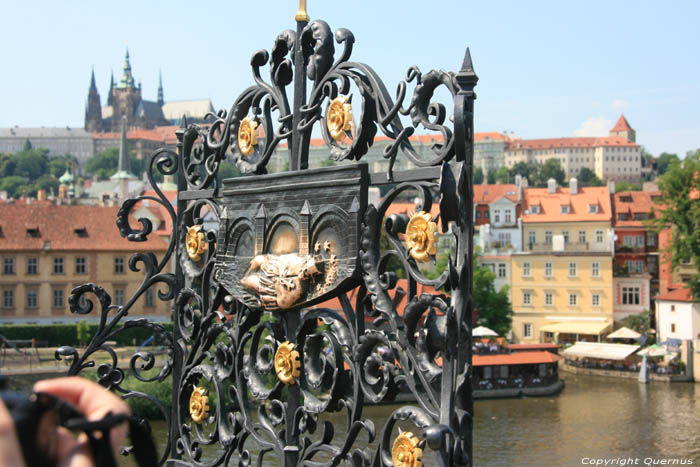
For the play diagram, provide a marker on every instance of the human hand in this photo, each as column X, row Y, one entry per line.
column 89, row 398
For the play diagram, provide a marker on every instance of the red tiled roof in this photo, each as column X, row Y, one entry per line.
column 407, row 208
column 550, row 204
column 167, row 133
column 580, row 142
column 516, row 358
column 490, row 135
column 486, row 194
column 532, row 346
column 678, row 295
column 150, row 135
column 639, row 202
column 621, row 125
column 424, row 139
column 57, row 225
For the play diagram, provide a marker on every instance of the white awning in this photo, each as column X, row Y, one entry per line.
column 624, row 333
column 577, row 327
column 483, row 331
column 601, row 350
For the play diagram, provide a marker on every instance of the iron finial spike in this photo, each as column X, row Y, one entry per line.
column 302, row 15
column 467, row 65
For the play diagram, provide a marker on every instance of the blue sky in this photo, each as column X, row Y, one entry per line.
column 546, row 69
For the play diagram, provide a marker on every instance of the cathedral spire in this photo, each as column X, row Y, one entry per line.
column 161, row 101
column 110, row 98
column 124, row 168
column 93, row 86
column 127, row 80
column 93, row 109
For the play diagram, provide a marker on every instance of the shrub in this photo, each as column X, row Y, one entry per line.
column 56, row 335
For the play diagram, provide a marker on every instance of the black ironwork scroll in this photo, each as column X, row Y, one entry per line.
column 285, row 306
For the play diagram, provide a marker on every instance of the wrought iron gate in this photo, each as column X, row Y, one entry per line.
column 258, row 358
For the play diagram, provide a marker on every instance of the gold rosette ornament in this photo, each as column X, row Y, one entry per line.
column 405, row 451
column 247, row 136
column 421, row 236
column 199, row 410
column 339, row 118
column 195, row 243
column 287, row 363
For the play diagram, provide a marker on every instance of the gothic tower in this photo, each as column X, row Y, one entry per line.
column 126, row 98
column 93, row 108
column 623, row 129
column 161, row 100
column 110, row 96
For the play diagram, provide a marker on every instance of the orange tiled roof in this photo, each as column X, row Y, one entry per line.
column 489, row 135
column 160, row 211
column 150, row 135
column 639, row 202
column 622, row 124
column 516, row 358
column 678, row 295
column 580, row 142
column 486, row 194
column 57, row 225
column 167, row 133
column 550, row 204
column 424, row 139
column 407, row 208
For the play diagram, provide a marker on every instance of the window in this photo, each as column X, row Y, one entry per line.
column 58, row 265
column 507, row 216
column 635, row 267
column 573, row 299
column 548, row 237
column 531, row 238
column 504, row 238
column 595, row 299
column 501, row 270
column 496, row 216
column 628, row 241
column 547, row 269
column 32, row 298
column 8, row 298
column 593, row 208
column 119, row 297
column 118, row 265
column 526, row 269
column 651, row 239
column 599, row 236
column 527, row 298
column 565, row 234
column 595, row 269
column 582, row 236
column 478, row 214
column 630, row 295
column 548, row 299
column 80, row 265
column 58, row 298
column 673, row 307
column 8, row 266
column 639, row 241
column 32, row 266
column 150, row 298
column 622, row 216
column 572, row 269
column 565, row 208
column 486, row 214
column 673, row 327
column 535, row 209
column 527, row 330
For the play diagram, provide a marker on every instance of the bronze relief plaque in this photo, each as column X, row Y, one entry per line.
column 291, row 240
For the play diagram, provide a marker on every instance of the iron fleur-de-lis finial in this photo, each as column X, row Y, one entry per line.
column 302, row 15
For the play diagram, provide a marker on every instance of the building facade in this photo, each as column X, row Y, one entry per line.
column 613, row 157
column 562, row 280
column 677, row 316
column 46, row 250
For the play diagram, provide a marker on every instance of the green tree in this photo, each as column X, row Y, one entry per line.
column 478, row 176
column 27, row 145
column 83, row 330
column 627, row 186
column 665, row 160
column 521, row 168
column 499, row 176
column 48, row 183
column 15, row 185
column 588, row 178
column 680, row 196
column 550, row 169
column 32, row 163
column 641, row 322
column 58, row 165
column 104, row 164
column 493, row 307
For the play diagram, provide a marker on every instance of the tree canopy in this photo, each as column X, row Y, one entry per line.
column 493, row 307
column 680, row 198
column 24, row 172
column 104, row 164
column 587, row 177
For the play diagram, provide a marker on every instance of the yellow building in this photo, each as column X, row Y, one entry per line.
column 562, row 280
column 46, row 250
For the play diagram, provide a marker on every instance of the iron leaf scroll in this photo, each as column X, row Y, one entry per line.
column 287, row 308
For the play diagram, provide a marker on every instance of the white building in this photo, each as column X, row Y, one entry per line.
column 677, row 316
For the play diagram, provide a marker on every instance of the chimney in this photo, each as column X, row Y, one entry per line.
column 573, row 186
column 611, row 187
column 518, row 179
column 519, row 186
column 551, row 186
column 526, row 183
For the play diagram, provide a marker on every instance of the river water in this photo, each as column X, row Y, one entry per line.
column 593, row 418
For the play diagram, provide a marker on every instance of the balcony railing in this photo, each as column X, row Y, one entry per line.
column 567, row 247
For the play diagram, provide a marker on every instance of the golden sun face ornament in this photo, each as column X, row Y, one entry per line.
column 405, row 451
column 421, row 236
column 339, row 118
column 199, row 410
column 195, row 243
column 247, row 136
column 287, row 363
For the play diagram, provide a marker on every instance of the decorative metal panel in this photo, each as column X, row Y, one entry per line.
column 286, row 303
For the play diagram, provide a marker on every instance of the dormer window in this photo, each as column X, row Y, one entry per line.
column 626, row 199
column 80, row 232
column 33, row 232
column 622, row 216
column 535, row 209
column 593, row 208
column 565, row 209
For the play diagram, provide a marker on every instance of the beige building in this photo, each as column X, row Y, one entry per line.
column 613, row 157
column 46, row 250
column 562, row 280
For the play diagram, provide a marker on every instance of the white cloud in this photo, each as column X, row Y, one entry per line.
column 594, row 126
column 619, row 104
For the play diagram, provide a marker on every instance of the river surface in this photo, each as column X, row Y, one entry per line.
column 593, row 418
